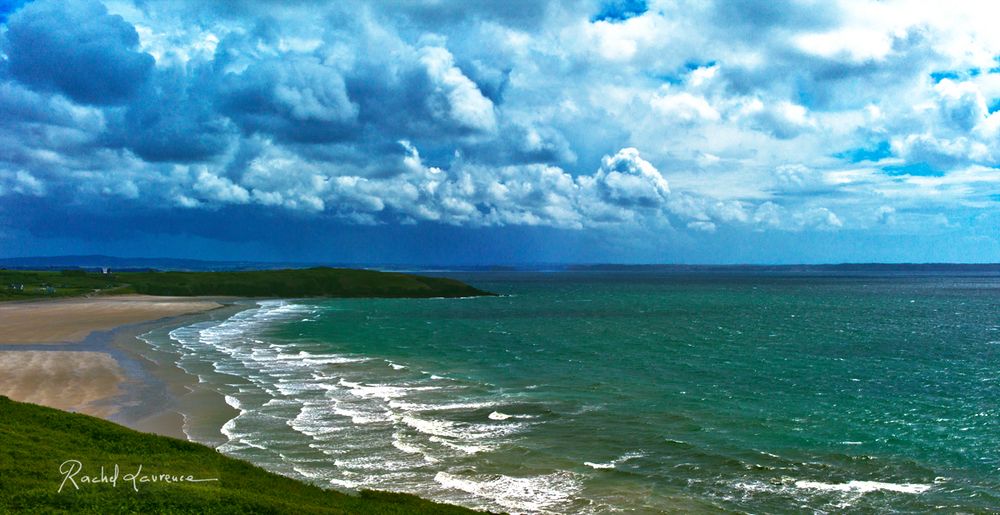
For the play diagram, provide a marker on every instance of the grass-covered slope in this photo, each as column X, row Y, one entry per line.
column 310, row 282
column 35, row 441
column 29, row 284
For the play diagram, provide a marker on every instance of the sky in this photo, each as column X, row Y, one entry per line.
column 482, row 132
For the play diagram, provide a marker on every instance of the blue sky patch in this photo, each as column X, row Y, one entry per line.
column 620, row 10
column 915, row 169
column 7, row 7
column 856, row 155
column 694, row 65
column 940, row 76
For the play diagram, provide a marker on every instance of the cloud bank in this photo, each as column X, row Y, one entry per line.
column 675, row 117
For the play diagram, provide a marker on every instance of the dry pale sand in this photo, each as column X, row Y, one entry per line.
column 71, row 320
column 68, row 380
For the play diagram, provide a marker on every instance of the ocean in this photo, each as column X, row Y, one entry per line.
column 626, row 392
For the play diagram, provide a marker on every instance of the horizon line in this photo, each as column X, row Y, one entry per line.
column 69, row 257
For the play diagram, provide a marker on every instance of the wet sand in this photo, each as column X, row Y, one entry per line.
column 69, row 380
column 84, row 355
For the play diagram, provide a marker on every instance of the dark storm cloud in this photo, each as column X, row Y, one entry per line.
column 172, row 120
column 78, row 49
column 294, row 99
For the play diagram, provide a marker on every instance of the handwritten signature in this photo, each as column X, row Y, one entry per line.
column 72, row 471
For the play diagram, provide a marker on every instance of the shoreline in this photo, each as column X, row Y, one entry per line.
column 165, row 399
column 74, row 319
column 110, row 372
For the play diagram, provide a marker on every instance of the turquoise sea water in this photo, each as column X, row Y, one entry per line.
column 627, row 392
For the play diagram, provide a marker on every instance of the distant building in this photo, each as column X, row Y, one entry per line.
column 105, row 270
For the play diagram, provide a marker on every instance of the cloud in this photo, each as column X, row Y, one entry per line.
column 220, row 189
column 815, row 116
column 819, row 218
column 21, row 183
column 628, row 180
column 962, row 106
column 702, row 226
column 885, row 215
column 783, row 120
column 76, row 48
column 298, row 99
column 173, row 121
column 466, row 105
column 684, row 107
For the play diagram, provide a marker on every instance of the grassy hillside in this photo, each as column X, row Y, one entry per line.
column 310, row 282
column 35, row 441
column 27, row 284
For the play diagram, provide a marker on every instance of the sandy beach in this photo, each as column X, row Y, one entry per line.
column 71, row 320
column 68, row 380
column 80, row 355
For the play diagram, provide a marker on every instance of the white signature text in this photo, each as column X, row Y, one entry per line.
column 72, row 472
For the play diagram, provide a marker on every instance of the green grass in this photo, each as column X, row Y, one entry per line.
column 310, row 282
column 63, row 284
column 35, row 441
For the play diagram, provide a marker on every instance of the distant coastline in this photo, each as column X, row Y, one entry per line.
column 95, row 263
column 283, row 283
column 837, row 267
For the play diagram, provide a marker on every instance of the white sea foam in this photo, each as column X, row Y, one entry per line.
column 385, row 392
column 311, row 421
column 233, row 402
column 359, row 416
column 280, row 402
column 311, row 474
column 433, row 427
column 375, row 463
column 466, row 448
column 349, row 384
column 459, row 430
column 864, row 486
column 186, row 427
column 615, row 462
column 531, row 494
column 236, row 439
column 344, row 483
column 398, row 443
column 332, row 360
column 496, row 415
column 452, row 406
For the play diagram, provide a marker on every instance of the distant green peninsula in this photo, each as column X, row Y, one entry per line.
column 289, row 283
column 51, row 462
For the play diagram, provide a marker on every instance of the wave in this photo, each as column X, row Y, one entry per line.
column 615, row 462
column 864, row 487
column 531, row 494
column 353, row 421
